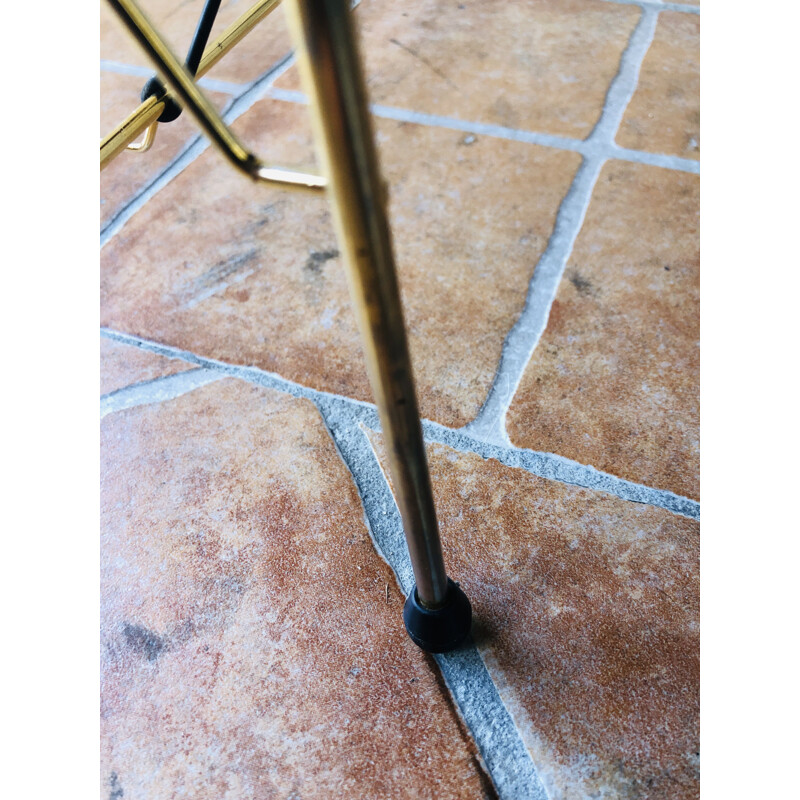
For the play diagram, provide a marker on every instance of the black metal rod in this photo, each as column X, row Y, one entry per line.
column 201, row 35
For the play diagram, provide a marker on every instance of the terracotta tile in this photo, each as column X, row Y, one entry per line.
column 248, row 650
column 176, row 21
column 541, row 65
column 249, row 274
column 614, row 380
column 129, row 172
column 664, row 114
column 122, row 365
column 587, row 617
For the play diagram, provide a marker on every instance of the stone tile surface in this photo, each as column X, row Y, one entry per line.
column 614, row 380
column 664, row 114
column 130, row 172
column 248, row 647
column 176, row 20
column 250, row 274
column 251, row 637
column 541, row 65
column 587, row 617
column 122, row 365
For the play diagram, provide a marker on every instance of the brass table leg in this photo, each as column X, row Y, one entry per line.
column 437, row 613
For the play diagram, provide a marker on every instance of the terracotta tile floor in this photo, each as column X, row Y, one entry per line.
column 542, row 159
column 663, row 116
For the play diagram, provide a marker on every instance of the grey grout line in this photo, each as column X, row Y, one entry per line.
column 561, row 469
column 657, row 5
column 362, row 411
column 521, row 341
column 479, row 128
column 499, row 741
column 654, row 159
column 583, row 146
column 189, row 153
column 493, row 729
column 106, row 65
column 212, row 84
column 452, row 123
column 263, row 87
column 489, row 424
column 157, row 390
column 380, row 509
column 621, row 90
column 681, row 7
column 194, row 149
column 544, row 465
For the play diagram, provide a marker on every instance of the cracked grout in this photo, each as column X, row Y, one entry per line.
column 544, row 465
column 238, row 106
column 521, row 341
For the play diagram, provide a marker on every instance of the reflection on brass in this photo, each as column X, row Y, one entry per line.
column 127, row 131
column 331, row 71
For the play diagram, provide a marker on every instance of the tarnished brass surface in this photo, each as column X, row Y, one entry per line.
column 331, row 71
column 196, row 103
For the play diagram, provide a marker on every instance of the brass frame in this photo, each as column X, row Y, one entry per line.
column 331, row 70
column 143, row 117
column 201, row 108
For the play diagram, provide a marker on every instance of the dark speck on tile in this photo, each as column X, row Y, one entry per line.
column 116, row 790
column 143, row 641
column 583, row 285
column 317, row 259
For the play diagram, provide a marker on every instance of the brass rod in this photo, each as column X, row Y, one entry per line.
column 233, row 34
column 129, row 129
column 199, row 106
column 147, row 142
column 142, row 117
column 331, row 71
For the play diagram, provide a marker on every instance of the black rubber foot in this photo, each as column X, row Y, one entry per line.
column 441, row 629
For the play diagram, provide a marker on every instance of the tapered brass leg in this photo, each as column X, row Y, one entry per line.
column 331, row 73
column 330, row 66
